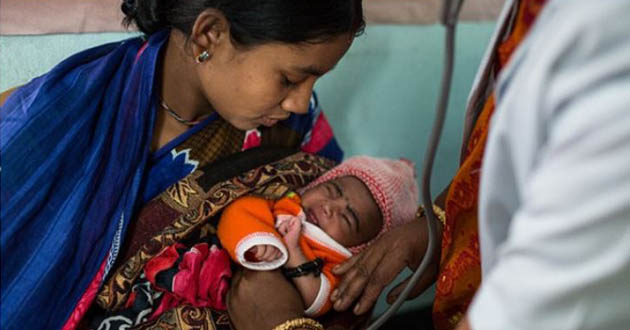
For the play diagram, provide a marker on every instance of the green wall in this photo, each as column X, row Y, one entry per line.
column 380, row 99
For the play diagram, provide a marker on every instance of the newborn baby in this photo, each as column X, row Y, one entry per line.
column 330, row 220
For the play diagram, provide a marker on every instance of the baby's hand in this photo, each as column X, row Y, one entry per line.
column 265, row 252
column 290, row 231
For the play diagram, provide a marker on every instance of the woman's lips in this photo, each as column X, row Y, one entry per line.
column 269, row 121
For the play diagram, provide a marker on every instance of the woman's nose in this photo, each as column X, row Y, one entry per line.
column 298, row 98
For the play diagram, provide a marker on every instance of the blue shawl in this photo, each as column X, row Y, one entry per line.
column 74, row 145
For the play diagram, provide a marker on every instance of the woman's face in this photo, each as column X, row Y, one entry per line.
column 345, row 209
column 265, row 84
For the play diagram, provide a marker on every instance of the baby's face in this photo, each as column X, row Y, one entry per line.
column 345, row 209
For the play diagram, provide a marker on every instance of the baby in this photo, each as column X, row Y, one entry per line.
column 333, row 218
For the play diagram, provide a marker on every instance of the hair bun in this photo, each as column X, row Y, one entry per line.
column 129, row 8
column 147, row 15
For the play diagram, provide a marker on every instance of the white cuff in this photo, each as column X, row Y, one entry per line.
column 261, row 238
column 322, row 297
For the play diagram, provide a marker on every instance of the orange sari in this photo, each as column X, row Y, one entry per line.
column 460, row 264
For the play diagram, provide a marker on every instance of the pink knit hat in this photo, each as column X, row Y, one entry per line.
column 392, row 184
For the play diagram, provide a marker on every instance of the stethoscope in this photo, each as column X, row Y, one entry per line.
column 449, row 15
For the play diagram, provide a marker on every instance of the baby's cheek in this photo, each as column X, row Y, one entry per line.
column 339, row 236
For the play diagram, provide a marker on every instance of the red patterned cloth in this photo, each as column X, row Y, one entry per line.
column 253, row 138
column 178, row 276
column 320, row 136
column 201, row 279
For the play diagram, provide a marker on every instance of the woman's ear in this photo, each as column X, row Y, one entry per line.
column 210, row 31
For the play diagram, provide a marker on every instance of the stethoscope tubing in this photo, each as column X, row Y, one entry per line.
column 449, row 20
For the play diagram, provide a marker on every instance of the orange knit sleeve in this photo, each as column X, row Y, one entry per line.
column 248, row 222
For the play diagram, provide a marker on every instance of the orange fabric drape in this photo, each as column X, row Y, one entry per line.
column 460, row 264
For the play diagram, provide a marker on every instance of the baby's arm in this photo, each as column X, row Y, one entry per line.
column 308, row 285
column 247, row 232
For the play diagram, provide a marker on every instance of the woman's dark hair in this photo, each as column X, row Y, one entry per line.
column 253, row 22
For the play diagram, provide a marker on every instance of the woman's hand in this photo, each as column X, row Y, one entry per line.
column 365, row 275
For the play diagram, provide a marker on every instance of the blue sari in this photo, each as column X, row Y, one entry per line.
column 76, row 168
column 74, row 147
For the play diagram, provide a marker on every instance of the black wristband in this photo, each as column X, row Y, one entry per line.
column 314, row 267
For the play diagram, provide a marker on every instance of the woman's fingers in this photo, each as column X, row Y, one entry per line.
column 365, row 276
column 345, row 266
column 369, row 294
column 356, row 279
column 349, row 288
column 384, row 274
column 346, row 270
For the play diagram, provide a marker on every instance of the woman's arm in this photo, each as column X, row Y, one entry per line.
column 262, row 300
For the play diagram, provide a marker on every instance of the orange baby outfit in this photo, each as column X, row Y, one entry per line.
column 251, row 221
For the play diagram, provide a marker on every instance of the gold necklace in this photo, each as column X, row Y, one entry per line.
column 179, row 118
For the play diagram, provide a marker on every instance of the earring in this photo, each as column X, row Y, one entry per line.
column 203, row 57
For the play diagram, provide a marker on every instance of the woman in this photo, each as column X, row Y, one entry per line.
column 108, row 129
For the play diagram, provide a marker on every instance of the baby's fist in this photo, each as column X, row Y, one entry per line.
column 265, row 252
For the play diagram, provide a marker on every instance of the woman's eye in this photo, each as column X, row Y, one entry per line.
column 288, row 83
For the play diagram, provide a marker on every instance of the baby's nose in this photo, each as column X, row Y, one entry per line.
column 336, row 205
